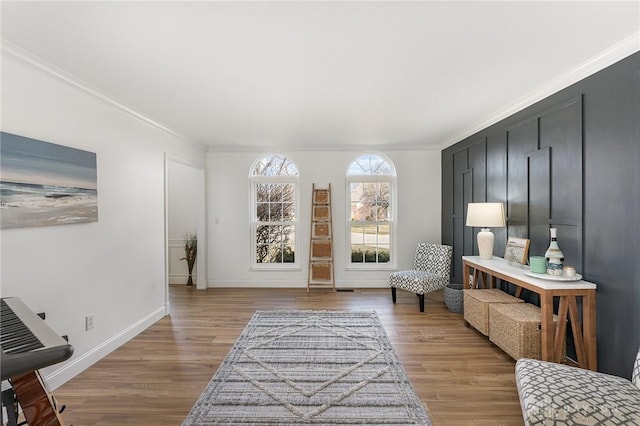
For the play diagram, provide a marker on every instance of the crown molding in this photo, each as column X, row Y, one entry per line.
column 35, row 63
column 615, row 53
column 418, row 146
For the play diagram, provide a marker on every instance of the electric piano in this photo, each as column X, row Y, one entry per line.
column 26, row 345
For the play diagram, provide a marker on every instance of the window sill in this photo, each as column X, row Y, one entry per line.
column 366, row 267
column 272, row 267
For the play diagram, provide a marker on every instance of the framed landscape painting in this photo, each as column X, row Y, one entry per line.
column 43, row 184
column 516, row 250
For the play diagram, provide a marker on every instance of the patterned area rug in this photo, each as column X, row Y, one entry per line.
column 310, row 367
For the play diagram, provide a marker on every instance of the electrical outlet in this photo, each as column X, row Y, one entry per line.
column 88, row 322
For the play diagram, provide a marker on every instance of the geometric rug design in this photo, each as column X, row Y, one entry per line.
column 310, row 367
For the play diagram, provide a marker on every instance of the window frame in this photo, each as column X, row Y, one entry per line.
column 391, row 179
column 254, row 181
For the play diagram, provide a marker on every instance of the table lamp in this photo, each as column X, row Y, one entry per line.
column 485, row 215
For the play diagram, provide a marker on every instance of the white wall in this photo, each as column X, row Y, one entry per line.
column 228, row 200
column 114, row 268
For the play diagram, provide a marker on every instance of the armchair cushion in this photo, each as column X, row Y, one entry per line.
column 418, row 282
column 553, row 393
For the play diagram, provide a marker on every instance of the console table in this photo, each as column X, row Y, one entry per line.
column 584, row 332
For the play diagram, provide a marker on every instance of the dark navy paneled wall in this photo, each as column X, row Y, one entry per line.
column 570, row 161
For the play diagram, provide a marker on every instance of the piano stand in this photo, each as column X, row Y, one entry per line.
column 11, row 405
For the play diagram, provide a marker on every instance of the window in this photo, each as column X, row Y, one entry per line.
column 371, row 183
column 274, row 189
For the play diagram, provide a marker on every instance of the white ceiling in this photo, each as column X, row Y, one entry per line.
column 322, row 75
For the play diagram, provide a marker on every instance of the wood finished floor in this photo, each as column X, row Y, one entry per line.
column 155, row 378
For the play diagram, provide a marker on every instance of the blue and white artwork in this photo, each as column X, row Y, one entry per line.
column 43, row 184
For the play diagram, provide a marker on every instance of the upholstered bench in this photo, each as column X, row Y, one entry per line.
column 558, row 394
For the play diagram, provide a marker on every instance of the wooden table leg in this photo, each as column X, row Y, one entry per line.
column 477, row 275
column 465, row 284
column 465, row 275
column 518, row 291
column 577, row 332
column 548, row 330
column 561, row 329
column 481, row 276
column 589, row 329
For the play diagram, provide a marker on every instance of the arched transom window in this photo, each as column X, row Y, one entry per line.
column 371, row 187
column 274, row 189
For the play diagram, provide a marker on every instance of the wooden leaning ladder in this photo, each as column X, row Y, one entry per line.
column 321, row 247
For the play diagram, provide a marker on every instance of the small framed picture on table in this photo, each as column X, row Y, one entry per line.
column 517, row 250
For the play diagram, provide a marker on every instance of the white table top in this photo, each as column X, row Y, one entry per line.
column 516, row 271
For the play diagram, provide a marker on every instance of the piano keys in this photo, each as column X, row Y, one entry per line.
column 26, row 342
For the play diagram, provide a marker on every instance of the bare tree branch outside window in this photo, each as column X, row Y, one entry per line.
column 275, row 212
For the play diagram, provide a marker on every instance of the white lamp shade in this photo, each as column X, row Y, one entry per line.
column 485, row 215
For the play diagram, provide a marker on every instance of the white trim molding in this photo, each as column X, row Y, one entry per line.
column 76, row 366
column 615, row 53
column 11, row 51
column 300, row 284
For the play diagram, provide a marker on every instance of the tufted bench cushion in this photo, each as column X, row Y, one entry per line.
column 558, row 394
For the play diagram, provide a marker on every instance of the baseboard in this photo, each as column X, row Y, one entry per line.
column 76, row 366
column 380, row 283
column 182, row 278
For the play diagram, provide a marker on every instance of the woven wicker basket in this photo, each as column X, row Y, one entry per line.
column 454, row 298
column 515, row 328
column 476, row 306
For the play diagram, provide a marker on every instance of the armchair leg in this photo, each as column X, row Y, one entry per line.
column 393, row 294
column 421, row 300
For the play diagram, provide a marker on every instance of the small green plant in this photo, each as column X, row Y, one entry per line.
column 369, row 256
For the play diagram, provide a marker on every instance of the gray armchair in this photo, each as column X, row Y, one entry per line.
column 432, row 268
